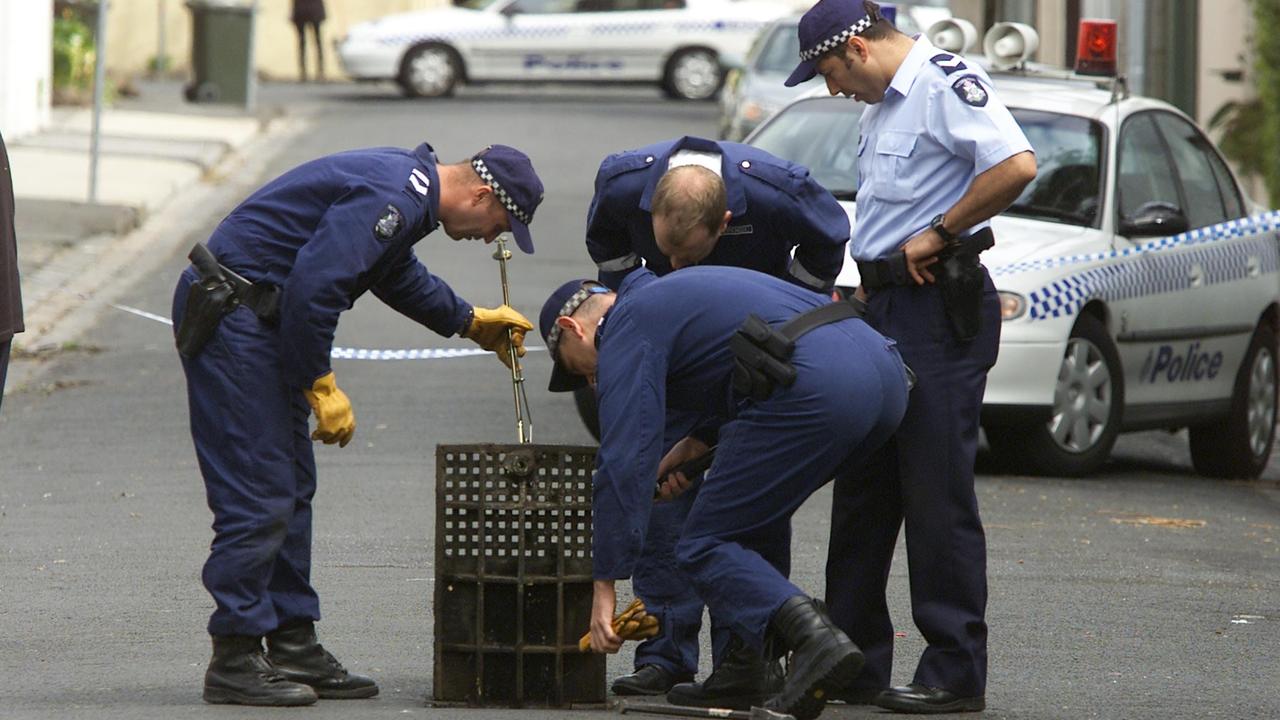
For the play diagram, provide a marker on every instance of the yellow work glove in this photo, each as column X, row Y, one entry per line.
column 489, row 329
column 631, row 624
column 335, row 422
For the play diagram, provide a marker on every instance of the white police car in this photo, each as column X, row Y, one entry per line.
column 753, row 88
column 1139, row 287
column 676, row 43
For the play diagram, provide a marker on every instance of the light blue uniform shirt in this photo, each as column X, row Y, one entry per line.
column 939, row 126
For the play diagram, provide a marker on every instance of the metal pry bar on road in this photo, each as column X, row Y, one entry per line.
column 524, row 415
column 755, row 713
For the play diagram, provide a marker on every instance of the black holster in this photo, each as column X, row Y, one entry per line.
column 216, row 292
column 209, row 299
column 960, row 281
column 762, row 353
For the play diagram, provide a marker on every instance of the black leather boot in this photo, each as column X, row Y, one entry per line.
column 239, row 674
column 296, row 653
column 823, row 659
column 744, row 679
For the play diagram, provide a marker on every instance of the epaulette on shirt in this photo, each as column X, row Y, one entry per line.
column 620, row 163
column 781, row 175
column 949, row 63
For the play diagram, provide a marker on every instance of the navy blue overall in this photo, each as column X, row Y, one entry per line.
column 665, row 344
column 777, row 207
column 324, row 232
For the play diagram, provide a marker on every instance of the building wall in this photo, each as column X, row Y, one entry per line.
column 134, row 30
column 26, row 65
column 1225, row 68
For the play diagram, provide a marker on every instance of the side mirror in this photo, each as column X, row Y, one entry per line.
column 1155, row 219
column 509, row 11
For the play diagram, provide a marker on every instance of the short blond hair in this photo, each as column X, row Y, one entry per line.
column 690, row 196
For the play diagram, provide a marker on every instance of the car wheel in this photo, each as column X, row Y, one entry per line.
column 430, row 71
column 1241, row 447
column 585, row 398
column 693, row 74
column 1085, row 419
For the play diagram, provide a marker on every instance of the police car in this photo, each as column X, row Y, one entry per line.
column 675, row 43
column 753, row 89
column 1139, row 288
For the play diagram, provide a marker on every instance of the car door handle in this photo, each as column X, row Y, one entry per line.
column 1195, row 273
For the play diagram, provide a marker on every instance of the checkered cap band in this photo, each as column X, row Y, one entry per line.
column 837, row 40
column 483, row 171
column 570, row 306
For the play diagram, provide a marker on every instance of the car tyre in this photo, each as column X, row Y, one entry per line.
column 1241, row 447
column 431, row 70
column 693, row 74
column 1087, row 407
column 585, row 398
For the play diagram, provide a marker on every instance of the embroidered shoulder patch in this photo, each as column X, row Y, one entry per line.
column 970, row 91
column 948, row 62
column 389, row 224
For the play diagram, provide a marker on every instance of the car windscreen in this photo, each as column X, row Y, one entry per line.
column 781, row 50
column 476, row 4
column 1068, row 187
column 822, row 135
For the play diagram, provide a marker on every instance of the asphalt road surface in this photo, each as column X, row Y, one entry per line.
column 1098, row 607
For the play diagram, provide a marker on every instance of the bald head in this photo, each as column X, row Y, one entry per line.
column 690, row 211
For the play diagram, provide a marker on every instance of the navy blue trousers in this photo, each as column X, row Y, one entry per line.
column 255, row 454
column 923, row 476
column 849, row 395
column 667, row 592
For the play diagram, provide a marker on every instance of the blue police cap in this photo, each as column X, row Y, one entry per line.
column 516, row 185
column 563, row 302
column 826, row 26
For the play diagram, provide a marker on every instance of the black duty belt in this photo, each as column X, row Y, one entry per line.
column 892, row 271
column 262, row 298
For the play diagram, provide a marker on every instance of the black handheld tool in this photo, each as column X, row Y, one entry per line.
column 690, row 468
column 755, row 713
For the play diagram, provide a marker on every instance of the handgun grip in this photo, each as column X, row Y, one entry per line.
column 205, row 263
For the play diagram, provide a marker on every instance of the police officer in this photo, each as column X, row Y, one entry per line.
column 938, row 157
column 662, row 343
column 255, row 319
column 669, row 205
column 692, row 201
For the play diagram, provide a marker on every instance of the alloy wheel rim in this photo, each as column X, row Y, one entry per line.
column 1081, row 399
column 1261, row 413
column 431, row 72
column 695, row 75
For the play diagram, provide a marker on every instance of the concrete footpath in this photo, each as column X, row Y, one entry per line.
column 162, row 164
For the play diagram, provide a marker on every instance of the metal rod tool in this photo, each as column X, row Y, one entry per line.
column 755, row 713
column 524, row 415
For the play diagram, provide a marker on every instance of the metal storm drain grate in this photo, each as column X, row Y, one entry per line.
column 513, row 576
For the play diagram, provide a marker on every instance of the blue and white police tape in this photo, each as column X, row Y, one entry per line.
column 344, row 353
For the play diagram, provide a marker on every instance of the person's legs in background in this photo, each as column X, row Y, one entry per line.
column 302, row 50
column 315, row 32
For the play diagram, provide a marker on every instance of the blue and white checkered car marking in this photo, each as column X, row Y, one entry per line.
column 609, row 28
column 414, row 39
column 1129, row 276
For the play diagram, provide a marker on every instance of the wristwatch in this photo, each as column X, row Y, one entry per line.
column 936, row 225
